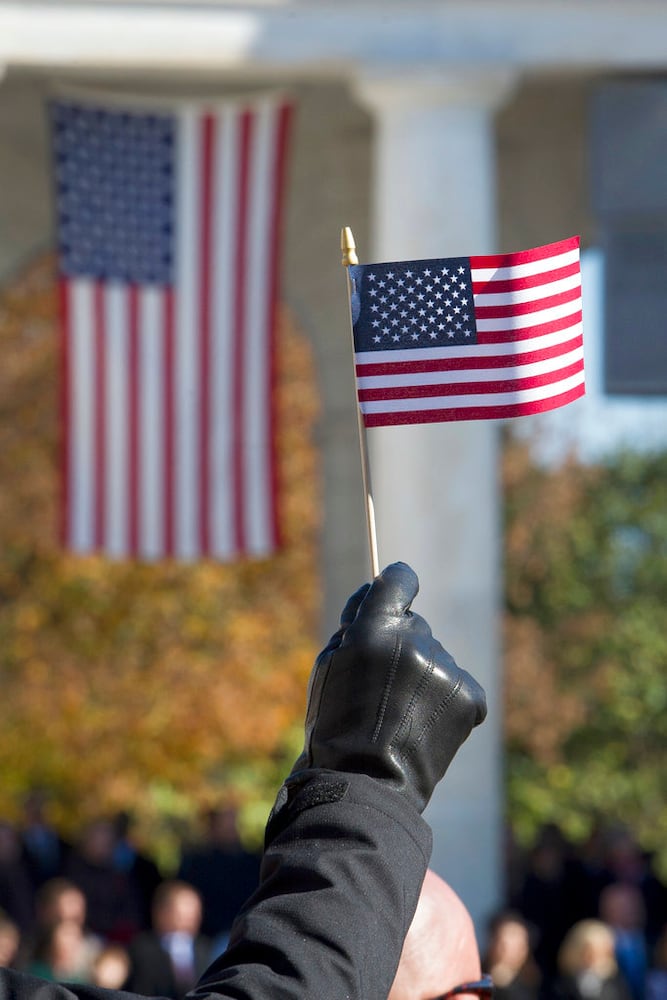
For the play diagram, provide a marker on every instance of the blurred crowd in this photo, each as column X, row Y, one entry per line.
column 97, row 910
column 579, row 924
column 584, row 923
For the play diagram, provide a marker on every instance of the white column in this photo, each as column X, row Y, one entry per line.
column 436, row 485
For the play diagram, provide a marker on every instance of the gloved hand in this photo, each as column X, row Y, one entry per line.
column 384, row 698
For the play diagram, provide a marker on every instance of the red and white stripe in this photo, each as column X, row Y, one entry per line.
column 169, row 393
column 528, row 358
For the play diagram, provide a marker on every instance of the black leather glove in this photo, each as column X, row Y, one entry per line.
column 384, row 698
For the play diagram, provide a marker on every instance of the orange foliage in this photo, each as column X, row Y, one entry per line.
column 531, row 672
column 119, row 678
column 541, row 710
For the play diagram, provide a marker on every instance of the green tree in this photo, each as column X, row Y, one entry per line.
column 586, row 643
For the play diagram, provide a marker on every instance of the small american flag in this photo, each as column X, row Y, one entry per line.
column 468, row 338
column 168, row 227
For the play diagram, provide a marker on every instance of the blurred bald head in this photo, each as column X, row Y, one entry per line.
column 440, row 949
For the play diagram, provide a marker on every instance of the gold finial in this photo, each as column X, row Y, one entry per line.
column 348, row 247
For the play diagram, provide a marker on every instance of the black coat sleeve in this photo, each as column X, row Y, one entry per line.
column 340, row 880
column 341, row 874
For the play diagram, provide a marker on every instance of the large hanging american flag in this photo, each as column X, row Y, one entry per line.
column 468, row 338
column 168, row 230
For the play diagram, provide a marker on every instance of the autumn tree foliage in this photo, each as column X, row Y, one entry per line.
column 586, row 643
column 161, row 687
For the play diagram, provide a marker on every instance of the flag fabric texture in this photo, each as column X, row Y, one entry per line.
column 468, row 338
column 168, row 230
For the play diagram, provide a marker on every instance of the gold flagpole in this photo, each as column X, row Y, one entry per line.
column 349, row 256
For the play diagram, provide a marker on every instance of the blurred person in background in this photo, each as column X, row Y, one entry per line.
column 111, row 967
column 547, row 898
column 169, row 959
column 10, row 940
column 59, row 901
column 627, row 863
column 590, row 871
column 587, row 965
column 223, row 872
column 141, row 870
column 656, row 977
column 44, row 849
column 112, row 901
column 60, row 954
column 622, row 908
column 509, row 958
column 16, row 887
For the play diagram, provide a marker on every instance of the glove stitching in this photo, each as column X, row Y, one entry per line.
column 442, row 707
column 417, row 694
column 395, row 657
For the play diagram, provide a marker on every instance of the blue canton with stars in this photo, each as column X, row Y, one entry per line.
column 410, row 304
column 115, row 193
